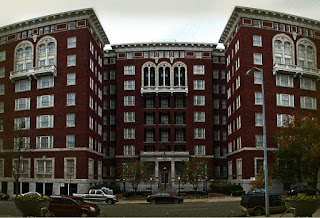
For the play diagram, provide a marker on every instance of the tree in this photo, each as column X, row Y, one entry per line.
column 298, row 157
column 135, row 172
column 259, row 181
column 194, row 171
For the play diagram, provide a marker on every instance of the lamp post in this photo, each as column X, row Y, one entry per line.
column 151, row 184
column 165, row 179
column 179, row 184
column 124, row 185
column 265, row 154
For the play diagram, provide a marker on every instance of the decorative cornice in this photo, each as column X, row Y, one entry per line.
column 151, row 46
column 41, row 150
column 88, row 14
column 239, row 12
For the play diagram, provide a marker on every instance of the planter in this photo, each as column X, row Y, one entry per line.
column 303, row 208
column 31, row 208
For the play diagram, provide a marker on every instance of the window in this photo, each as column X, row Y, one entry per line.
column 45, row 101
column 256, row 23
column 215, row 74
column 199, row 100
column 129, row 101
column 307, row 83
column 44, row 166
column 71, row 79
column 2, row 55
column 72, row 42
column 285, row 100
column 283, row 52
column 71, row 60
column 22, row 104
column 199, row 133
column 71, row 99
column 112, row 89
column 129, row 70
column 258, row 98
column 70, row 141
column 284, row 80
column 199, row 116
column 257, row 40
column 90, row 168
column 198, row 84
column 129, row 85
column 129, row 117
column 258, row 119
column 200, row 150
column 238, row 102
column 44, row 121
column 223, row 74
column 306, row 53
column 216, row 135
column 257, row 77
column 259, row 164
column 257, row 58
column 2, row 89
column 198, row 69
column 44, row 142
column 70, row 120
column 1, row 107
column 22, row 123
column 45, row 82
column 129, row 133
column 22, row 85
column 129, row 150
column 216, row 88
column 283, row 119
column 2, row 72
column 69, row 169
column 1, row 125
column 238, row 122
column 308, row 102
column 216, row 119
column 112, row 75
column 259, row 141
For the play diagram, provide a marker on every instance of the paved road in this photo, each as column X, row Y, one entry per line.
column 191, row 208
column 196, row 209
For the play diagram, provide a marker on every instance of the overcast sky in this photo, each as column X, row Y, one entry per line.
column 128, row 21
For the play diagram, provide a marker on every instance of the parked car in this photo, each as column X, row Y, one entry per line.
column 256, row 190
column 254, row 203
column 164, row 198
column 303, row 189
column 98, row 195
column 4, row 196
column 72, row 206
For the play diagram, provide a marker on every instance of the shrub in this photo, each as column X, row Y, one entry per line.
column 227, row 188
column 32, row 197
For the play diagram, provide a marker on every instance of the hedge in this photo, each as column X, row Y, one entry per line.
column 227, row 188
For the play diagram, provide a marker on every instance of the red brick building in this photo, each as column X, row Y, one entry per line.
column 51, row 103
column 286, row 48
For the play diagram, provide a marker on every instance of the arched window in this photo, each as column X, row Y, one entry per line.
column 24, row 56
column 149, row 74
column 164, row 74
column 46, row 51
column 306, row 53
column 283, row 52
column 179, row 70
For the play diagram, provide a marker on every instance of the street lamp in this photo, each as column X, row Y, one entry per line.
column 151, row 184
column 165, row 179
column 124, row 185
column 249, row 72
column 179, row 184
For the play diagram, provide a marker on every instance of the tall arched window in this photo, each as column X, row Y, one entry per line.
column 283, row 52
column 149, row 74
column 24, row 55
column 306, row 53
column 179, row 71
column 46, row 51
column 164, row 74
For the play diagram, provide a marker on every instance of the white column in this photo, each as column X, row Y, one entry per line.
column 173, row 171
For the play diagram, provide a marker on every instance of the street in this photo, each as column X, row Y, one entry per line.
column 187, row 209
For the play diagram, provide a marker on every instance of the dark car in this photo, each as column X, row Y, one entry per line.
column 72, row 206
column 303, row 189
column 164, row 198
column 256, row 190
column 254, row 203
column 4, row 196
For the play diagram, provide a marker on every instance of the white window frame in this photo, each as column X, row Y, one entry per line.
column 257, row 40
column 129, row 150
column 72, row 42
column 257, row 59
column 200, row 150
column 129, row 70
column 199, row 100
column 199, row 133
column 199, row 116
column 18, row 104
column 129, row 85
column 198, row 69
column 40, row 100
column 129, row 117
column 71, row 60
column 50, row 119
column 129, row 133
column 280, row 100
column 303, row 102
column 49, row 140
